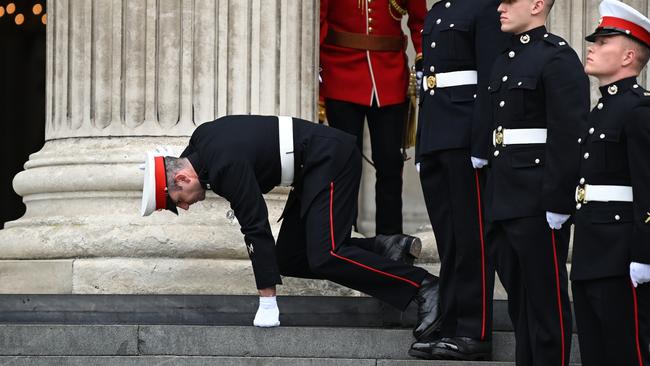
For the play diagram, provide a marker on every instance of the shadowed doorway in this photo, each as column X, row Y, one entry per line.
column 22, row 94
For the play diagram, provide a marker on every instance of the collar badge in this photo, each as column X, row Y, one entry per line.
column 613, row 89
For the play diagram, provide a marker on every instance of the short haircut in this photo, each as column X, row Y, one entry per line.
column 642, row 52
column 172, row 167
column 643, row 55
column 548, row 4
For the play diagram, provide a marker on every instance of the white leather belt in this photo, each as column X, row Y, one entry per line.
column 503, row 136
column 603, row 193
column 449, row 79
column 285, row 129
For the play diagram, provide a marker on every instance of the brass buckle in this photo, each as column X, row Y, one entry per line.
column 431, row 81
column 581, row 195
column 498, row 137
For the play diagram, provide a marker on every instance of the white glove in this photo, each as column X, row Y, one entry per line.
column 417, row 167
column 555, row 220
column 418, row 79
column 268, row 314
column 639, row 273
column 478, row 163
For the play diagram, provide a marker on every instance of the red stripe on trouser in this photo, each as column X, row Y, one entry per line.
column 559, row 299
column 636, row 325
column 480, row 225
column 350, row 260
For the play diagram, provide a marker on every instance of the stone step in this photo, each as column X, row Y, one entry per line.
column 306, row 311
column 228, row 341
column 223, row 361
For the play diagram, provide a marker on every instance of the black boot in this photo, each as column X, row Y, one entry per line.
column 461, row 348
column 398, row 247
column 429, row 318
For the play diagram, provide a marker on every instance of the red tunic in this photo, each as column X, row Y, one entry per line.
column 357, row 76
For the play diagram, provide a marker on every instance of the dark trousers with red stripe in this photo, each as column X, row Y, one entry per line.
column 612, row 318
column 531, row 263
column 385, row 125
column 452, row 190
column 318, row 245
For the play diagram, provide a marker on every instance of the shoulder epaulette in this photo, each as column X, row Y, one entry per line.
column 555, row 40
column 638, row 90
column 644, row 97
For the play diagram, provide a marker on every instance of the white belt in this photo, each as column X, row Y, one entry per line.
column 503, row 137
column 602, row 193
column 449, row 79
column 285, row 128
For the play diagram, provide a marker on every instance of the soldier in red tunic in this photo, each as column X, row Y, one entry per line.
column 365, row 75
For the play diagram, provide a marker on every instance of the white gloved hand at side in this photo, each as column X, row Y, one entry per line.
column 478, row 163
column 639, row 273
column 555, row 220
column 268, row 314
column 417, row 167
column 418, row 79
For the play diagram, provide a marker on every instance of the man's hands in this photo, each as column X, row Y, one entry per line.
column 418, row 71
column 268, row 314
column 639, row 273
column 556, row 220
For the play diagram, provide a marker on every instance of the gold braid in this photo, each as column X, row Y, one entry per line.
column 392, row 4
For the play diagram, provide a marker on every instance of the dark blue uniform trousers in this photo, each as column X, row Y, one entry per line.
column 318, row 245
column 531, row 263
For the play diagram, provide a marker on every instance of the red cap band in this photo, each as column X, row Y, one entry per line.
column 161, row 199
column 636, row 31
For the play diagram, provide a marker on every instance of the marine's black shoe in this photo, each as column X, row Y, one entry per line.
column 398, row 247
column 429, row 318
column 422, row 349
column 461, row 348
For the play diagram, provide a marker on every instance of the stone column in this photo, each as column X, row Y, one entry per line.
column 126, row 76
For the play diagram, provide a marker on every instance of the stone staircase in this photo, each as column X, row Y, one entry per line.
column 215, row 330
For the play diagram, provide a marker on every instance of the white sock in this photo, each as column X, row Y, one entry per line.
column 268, row 314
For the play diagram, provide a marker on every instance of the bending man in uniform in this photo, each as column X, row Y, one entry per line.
column 612, row 228
column 242, row 157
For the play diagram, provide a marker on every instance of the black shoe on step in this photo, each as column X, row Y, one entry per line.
column 422, row 349
column 461, row 348
column 429, row 318
column 398, row 247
